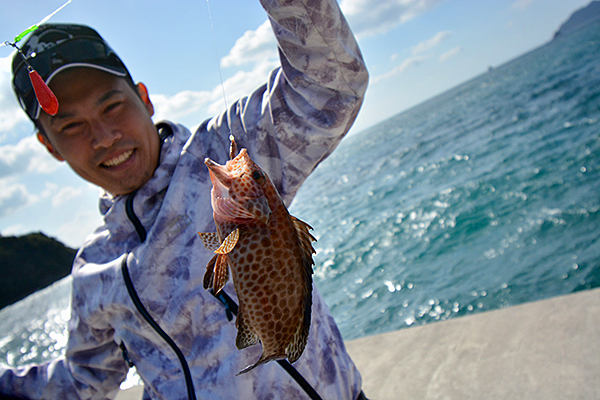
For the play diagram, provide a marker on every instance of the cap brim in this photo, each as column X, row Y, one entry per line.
column 114, row 71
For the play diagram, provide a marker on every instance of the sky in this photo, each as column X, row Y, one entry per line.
column 414, row 50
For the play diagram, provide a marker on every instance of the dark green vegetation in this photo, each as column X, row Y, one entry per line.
column 29, row 263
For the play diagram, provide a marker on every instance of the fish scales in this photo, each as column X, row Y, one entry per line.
column 269, row 253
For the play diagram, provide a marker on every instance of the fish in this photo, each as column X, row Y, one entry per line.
column 269, row 253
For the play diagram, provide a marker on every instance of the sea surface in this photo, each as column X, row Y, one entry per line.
column 484, row 197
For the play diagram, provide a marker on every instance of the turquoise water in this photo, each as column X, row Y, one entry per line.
column 484, row 197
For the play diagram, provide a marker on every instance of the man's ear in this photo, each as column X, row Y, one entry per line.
column 44, row 140
column 143, row 91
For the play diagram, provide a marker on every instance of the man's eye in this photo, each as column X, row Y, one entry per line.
column 71, row 127
column 112, row 106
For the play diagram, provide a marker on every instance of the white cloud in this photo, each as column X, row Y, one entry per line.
column 13, row 196
column 27, row 156
column 521, row 4
column 78, row 227
column 14, row 230
column 179, row 105
column 66, row 193
column 430, row 43
column 371, row 17
column 10, row 113
column 257, row 50
column 82, row 220
column 409, row 62
column 253, row 46
column 450, row 53
column 242, row 84
column 190, row 103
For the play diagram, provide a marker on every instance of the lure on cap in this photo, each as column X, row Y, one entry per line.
column 43, row 93
column 47, row 99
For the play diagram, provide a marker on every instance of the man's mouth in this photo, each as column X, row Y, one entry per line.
column 118, row 160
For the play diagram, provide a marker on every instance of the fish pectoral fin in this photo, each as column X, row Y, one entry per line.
column 210, row 240
column 221, row 273
column 229, row 242
column 245, row 336
column 232, row 209
column 210, row 272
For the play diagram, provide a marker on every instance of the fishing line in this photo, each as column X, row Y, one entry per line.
column 212, row 29
column 34, row 27
column 232, row 146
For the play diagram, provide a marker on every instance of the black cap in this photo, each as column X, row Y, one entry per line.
column 52, row 48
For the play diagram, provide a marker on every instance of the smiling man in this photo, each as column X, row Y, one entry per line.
column 102, row 129
column 137, row 280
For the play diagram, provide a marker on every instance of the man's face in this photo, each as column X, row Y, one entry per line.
column 103, row 129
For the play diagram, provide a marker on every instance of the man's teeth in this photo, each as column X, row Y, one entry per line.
column 120, row 159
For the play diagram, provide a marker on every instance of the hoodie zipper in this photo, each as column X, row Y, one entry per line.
column 165, row 131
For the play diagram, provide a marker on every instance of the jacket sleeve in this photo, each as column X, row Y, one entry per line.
column 92, row 369
column 308, row 104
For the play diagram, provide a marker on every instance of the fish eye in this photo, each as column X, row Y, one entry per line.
column 257, row 175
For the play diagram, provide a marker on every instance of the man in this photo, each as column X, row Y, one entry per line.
column 137, row 280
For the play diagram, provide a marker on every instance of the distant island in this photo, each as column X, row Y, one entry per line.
column 30, row 263
column 579, row 19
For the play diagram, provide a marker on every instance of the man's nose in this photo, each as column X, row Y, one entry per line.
column 104, row 136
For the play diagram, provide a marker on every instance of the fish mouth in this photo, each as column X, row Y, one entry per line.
column 219, row 174
column 222, row 203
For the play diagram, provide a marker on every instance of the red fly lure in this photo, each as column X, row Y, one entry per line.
column 47, row 99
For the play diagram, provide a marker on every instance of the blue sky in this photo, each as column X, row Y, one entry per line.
column 414, row 49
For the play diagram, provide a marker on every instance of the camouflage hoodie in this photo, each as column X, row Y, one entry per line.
column 288, row 125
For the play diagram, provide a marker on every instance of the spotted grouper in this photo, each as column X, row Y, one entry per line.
column 269, row 253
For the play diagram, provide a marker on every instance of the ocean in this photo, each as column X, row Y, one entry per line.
column 481, row 198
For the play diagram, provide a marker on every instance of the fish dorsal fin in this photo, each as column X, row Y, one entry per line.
column 305, row 239
column 229, row 242
column 210, row 240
